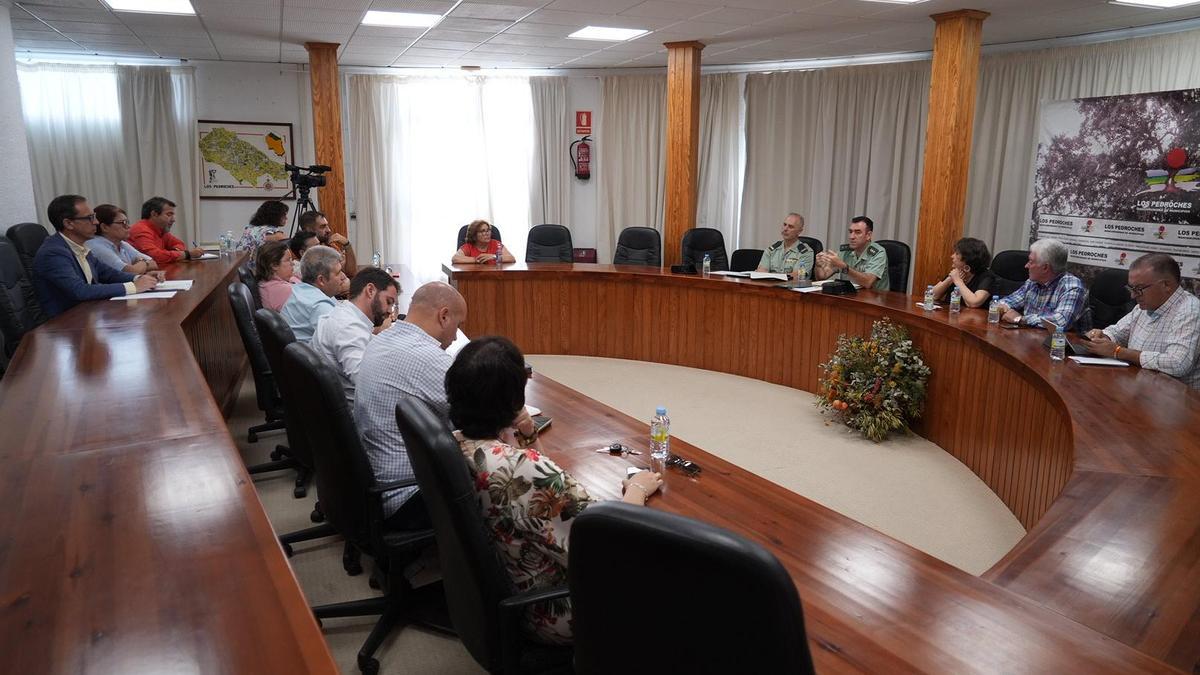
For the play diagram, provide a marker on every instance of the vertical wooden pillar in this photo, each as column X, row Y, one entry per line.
column 956, row 42
column 683, row 143
column 327, row 130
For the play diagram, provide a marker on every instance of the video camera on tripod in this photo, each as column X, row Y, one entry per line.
column 307, row 177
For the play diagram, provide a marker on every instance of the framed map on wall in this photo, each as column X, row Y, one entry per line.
column 244, row 159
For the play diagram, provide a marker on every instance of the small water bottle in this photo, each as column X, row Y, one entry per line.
column 499, row 255
column 376, row 259
column 230, row 243
column 1058, row 345
column 803, row 275
column 994, row 310
column 707, row 264
column 660, row 440
column 929, row 297
column 222, row 244
column 955, row 301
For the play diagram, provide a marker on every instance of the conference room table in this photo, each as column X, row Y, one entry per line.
column 1101, row 466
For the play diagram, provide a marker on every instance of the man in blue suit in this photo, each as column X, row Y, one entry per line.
column 65, row 273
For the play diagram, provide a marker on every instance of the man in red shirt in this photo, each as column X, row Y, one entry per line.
column 152, row 234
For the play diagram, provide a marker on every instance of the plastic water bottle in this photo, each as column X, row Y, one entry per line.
column 994, row 310
column 223, row 244
column 230, row 242
column 499, row 255
column 1058, row 345
column 803, row 273
column 660, row 440
column 376, row 259
column 955, row 301
column 707, row 265
column 929, row 297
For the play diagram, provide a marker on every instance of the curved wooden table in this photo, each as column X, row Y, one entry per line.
column 132, row 539
column 1101, row 465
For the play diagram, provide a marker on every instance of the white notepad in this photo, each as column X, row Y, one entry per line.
column 1097, row 361
column 148, row 295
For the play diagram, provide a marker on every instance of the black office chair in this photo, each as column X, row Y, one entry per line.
column 485, row 607
column 275, row 334
column 639, row 246
column 813, row 243
column 1108, row 299
column 700, row 240
column 246, row 275
column 744, row 259
column 1010, row 272
column 462, row 236
column 549, row 243
column 269, row 401
column 28, row 238
column 724, row 604
column 899, row 258
column 353, row 503
column 19, row 308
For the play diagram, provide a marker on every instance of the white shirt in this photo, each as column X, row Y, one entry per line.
column 341, row 336
column 1166, row 337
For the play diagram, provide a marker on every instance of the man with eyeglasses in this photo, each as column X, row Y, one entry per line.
column 1162, row 331
column 1050, row 295
column 66, row 273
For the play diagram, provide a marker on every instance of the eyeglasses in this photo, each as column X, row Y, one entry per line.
column 1135, row 291
column 687, row 466
column 90, row 216
column 120, row 222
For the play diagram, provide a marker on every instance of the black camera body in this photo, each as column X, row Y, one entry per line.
column 307, row 177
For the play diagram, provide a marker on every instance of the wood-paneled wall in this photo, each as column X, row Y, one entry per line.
column 327, row 130
column 683, row 145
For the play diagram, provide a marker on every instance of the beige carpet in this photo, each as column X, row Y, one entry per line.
column 906, row 487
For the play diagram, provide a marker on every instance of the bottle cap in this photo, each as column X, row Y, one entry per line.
column 660, row 411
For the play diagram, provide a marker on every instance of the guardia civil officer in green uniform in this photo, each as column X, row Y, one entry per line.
column 788, row 255
column 864, row 261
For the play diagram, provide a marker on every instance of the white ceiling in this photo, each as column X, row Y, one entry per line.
column 532, row 33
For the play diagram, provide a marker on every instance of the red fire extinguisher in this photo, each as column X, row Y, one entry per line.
column 581, row 158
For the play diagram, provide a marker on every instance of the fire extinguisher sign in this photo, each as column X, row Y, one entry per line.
column 583, row 121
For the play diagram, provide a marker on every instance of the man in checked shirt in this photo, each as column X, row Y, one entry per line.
column 1050, row 295
column 1162, row 331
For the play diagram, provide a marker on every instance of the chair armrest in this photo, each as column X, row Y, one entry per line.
column 380, row 488
column 522, row 600
column 511, row 641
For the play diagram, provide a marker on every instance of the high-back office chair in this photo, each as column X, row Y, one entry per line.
column 484, row 606
column 899, row 258
column 1010, row 272
column 246, row 275
column 275, row 334
column 1108, row 300
column 19, row 308
column 700, row 240
column 462, row 236
column 724, row 604
column 744, row 259
column 549, row 243
column 813, row 243
column 28, row 238
column 639, row 246
column 352, row 502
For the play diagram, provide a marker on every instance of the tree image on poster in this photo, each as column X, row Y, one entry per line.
column 1119, row 176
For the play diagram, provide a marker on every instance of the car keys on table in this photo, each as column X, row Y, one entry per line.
column 618, row 449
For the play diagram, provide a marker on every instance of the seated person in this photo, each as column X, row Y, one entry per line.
column 269, row 223
column 110, row 246
column 315, row 221
column 790, row 255
column 274, row 272
column 969, row 273
column 1163, row 331
column 321, row 278
column 342, row 334
column 298, row 244
column 864, row 261
column 480, row 248
column 1050, row 294
column 527, row 501
column 66, row 273
column 408, row 358
column 152, row 234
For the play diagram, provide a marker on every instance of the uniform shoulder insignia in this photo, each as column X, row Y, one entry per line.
column 776, row 245
column 844, row 247
column 874, row 249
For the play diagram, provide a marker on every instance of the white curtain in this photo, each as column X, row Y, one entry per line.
column 432, row 154
column 550, row 183
column 1011, row 90
column 832, row 144
column 114, row 134
column 720, row 155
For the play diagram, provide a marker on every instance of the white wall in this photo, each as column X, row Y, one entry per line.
column 16, row 185
column 584, row 93
column 250, row 92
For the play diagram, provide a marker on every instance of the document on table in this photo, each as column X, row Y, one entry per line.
column 768, row 275
column 1097, row 361
column 207, row 256
column 174, row 285
column 726, row 273
column 148, row 295
column 808, row 289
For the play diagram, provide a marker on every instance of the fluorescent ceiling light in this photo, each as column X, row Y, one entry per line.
column 378, row 18
column 1158, row 4
column 611, row 34
column 151, row 6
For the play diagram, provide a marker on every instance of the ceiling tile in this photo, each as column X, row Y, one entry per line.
column 359, row 6
column 48, row 45
column 29, row 24
column 389, row 31
column 528, row 40
column 477, row 25
column 458, row 35
column 542, row 29
column 85, row 27
column 474, row 10
column 741, row 15
column 447, row 44
column 661, row 9
column 48, row 13
column 235, row 12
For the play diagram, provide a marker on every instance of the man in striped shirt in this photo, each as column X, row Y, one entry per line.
column 1050, row 295
column 1161, row 333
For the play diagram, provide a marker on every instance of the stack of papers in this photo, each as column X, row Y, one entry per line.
column 148, row 295
column 208, row 256
column 756, row 276
column 174, row 285
column 1097, row 361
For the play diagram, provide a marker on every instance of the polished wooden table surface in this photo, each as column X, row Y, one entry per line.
column 1101, row 465
column 132, row 539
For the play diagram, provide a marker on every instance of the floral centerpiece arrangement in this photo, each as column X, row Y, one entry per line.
column 876, row 384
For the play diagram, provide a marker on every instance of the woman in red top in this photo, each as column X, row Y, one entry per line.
column 480, row 247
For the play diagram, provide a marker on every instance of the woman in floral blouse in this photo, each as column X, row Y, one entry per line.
column 528, row 502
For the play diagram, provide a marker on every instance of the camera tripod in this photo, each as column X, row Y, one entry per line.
column 303, row 204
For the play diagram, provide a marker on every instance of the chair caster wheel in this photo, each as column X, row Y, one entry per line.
column 368, row 665
column 353, row 567
column 316, row 516
column 276, row 455
column 300, row 492
column 373, row 582
column 287, row 550
column 253, row 438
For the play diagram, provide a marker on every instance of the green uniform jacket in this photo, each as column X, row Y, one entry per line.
column 873, row 261
column 787, row 260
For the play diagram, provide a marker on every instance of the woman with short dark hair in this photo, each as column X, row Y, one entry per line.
column 269, row 223
column 273, row 269
column 527, row 501
column 969, row 273
column 480, row 248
